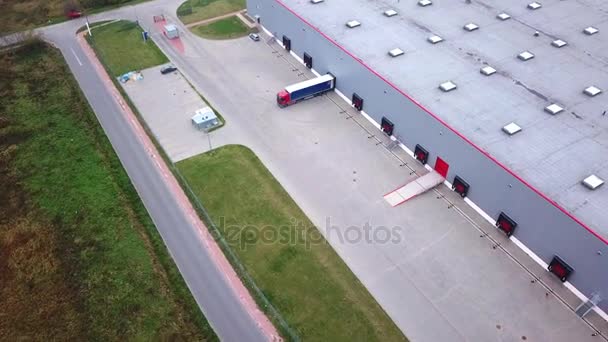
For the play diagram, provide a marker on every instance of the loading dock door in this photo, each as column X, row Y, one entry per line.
column 441, row 167
column 387, row 126
column 358, row 102
column 287, row 43
column 307, row 60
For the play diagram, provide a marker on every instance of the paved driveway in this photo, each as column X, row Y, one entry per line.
column 167, row 103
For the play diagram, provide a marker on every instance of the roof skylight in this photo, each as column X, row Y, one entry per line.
column 503, row 16
column 591, row 30
column 390, row 13
column 592, row 91
column 447, row 86
column 353, row 23
column 593, row 182
column 487, row 70
column 396, row 52
column 434, row 39
column 553, row 109
column 525, row 56
column 470, row 27
column 511, row 128
column 558, row 43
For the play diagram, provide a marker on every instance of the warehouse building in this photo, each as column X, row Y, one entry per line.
column 508, row 97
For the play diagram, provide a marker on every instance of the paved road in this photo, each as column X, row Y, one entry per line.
column 212, row 289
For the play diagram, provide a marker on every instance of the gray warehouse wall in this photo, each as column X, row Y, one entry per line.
column 542, row 226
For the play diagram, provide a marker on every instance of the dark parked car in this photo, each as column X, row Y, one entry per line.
column 168, row 69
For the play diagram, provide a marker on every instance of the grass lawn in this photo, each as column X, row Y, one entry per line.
column 80, row 258
column 227, row 28
column 309, row 285
column 122, row 49
column 18, row 15
column 196, row 10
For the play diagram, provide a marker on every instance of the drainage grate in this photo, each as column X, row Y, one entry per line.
column 553, row 109
column 447, row 86
column 470, row 27
column 591, row 30
column 503, row 16
column 558, row 43
column 395, row 52
column 434, row 39
column 525, row 56
column 511, row 128
column 487, row 70
column 534, row 5
column 593, row 182
column 592, row 91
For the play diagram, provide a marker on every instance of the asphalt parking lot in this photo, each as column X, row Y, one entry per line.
column 167, row 103
column 449, row 276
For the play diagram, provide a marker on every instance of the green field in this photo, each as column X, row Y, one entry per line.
column 196, row 10
column 121, row 47
column 17, row 15
column 80, row 258
column 309, row 284
column 227, row 28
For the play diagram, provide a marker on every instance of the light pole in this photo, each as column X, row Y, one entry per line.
column 86, row 18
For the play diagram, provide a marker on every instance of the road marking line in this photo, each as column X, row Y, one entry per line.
column 77, row 59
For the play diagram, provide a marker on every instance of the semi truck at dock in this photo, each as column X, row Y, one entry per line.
column 305, row 90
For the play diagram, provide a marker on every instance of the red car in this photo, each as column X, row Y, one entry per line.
column 73, row 14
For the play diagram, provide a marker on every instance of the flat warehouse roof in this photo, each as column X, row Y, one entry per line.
column 548, row 65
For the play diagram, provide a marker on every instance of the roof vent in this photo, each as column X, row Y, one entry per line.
column 593, row 182
column 591, row 30
column 434, row 39
column 353, row 24
column 534, row 5
column 553, row 109
column 396, row 52
column 558, row 43
column 592, row 91
column 503, row 16
column 424, row 3
column 447, row 86
column 511, row 128
column 487, row 70
column 470, row 27
column 316, row 1
column 525, row 56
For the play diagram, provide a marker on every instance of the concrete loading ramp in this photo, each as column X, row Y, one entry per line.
column 414, row 188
